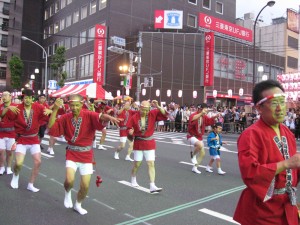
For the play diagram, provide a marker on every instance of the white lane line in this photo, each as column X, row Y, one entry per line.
column 47, row 155
column 43, row 175
column 227, row 150
column 218, row 215
column 139, row 187
column 55, row 181
column 132, row 217
column 101, row 203
column 191, row 164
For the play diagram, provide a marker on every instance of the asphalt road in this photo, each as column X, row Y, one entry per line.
column 187, row 198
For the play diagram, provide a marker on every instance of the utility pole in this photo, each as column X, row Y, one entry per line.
column 139, row 45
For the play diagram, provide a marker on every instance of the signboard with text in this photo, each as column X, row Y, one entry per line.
column 209, row 43
column 224, row 27
column 168, row 19
column 99, row 54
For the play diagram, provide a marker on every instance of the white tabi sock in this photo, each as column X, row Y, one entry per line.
column 78, row 208
column 15, row 181
column 68, row 199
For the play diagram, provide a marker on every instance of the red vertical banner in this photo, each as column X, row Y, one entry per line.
column 99, row 54
column 209, row 44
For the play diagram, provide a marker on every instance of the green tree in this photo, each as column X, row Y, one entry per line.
column 16, row 67
column 58, row 61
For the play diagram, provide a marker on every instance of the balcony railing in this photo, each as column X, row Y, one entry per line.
column 3, row 59
column 5, row 11
column 4, row 26
column 4, row 43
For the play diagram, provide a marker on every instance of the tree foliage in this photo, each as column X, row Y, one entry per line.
column 16, row 67
column 58, row 61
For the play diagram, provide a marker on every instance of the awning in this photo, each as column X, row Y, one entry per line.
column 86, row 90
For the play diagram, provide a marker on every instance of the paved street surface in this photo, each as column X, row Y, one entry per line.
column 187, row 198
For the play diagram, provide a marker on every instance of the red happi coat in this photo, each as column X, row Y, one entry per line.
column 258, row 155
column 6, row 123
column 194, row 130
column 125, row 115
column 135, row 123
column 46, row 119
column 89, row 122
column 27, row 128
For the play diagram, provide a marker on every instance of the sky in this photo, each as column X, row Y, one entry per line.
column 269, row 13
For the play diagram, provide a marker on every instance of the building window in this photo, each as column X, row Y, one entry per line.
column 50, row 50
column 83, row 12
column 55, row 46
column 62, row 24
column 102, row 4
column 46, row 32
column 193, row 2
column 206, row 4
column 292, row 62
column 68, row 20
column 91, row 34
column 4, row 41
column 69, row 2
column 293, row 42
column 74, row 40
column 67, row 43
column 82, row 37
column 5, row 9
column 56, row 27
column 93, row 7
column 70, row 68
column 75, row 16
column 192, row 20
column 61, row 43
column 2, row 72
column 62, row 4
column 52, row 10
column 5, row 24
column 56, row 6
column 51, row 29
column 86, row 65
column 219, row 7
column 46, row 14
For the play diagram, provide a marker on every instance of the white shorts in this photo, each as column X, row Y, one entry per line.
column 149, row 155
column 6, row 143
column 123, row 139
column 160, row 123
column 84, row 168
column 194, row 140
column 35, row 148
column 215, row 157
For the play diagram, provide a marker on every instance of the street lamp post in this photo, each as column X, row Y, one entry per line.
column 270, row 3
column 46, row 61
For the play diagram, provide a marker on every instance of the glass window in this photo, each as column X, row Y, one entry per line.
column 67, row 43
column 74, row 40
column 206, row 4
column 56, row 6
column 46, row 14
column 52, row 10
column 50, row 50
column 219, row 7
column 192, row 20
column 62, row 4
column 70, row 68
column 102, row 4
column 55, row 46
column 82, row 37
column 75, row 16
column 68, row 20
column 61, row 43
column 69, row 2
column 93, row 7
column 62, row 24
column 56, row 27
column 91, row 34
column 83, row 12
column 193, row 2
column 86, row 65
column 51, row 29
column 46, row 32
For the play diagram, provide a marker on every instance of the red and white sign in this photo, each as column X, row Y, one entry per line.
column 209, row 43
column 224, row 27
column 99, row 54
column 168, row 19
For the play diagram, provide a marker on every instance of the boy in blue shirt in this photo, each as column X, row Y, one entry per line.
column 214, row 142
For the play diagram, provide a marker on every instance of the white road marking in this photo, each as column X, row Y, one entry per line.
column 191, row 164
column 139, row 187
column 132, row 217
column 101, row 203
column 218, row 215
